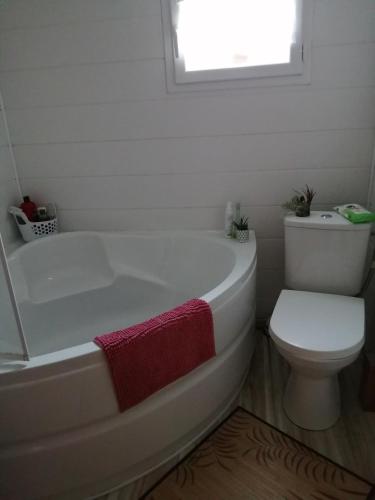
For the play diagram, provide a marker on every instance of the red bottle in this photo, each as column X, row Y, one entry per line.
column 29, row 208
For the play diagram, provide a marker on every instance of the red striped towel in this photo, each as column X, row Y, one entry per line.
column 148, row 356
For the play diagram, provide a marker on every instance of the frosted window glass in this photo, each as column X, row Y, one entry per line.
column 218, row 34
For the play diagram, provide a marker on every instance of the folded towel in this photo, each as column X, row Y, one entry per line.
column 148, row 356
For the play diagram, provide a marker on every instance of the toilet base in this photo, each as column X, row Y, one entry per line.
column 312, row 403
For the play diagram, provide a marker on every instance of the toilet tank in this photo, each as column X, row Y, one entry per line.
column 325, row 253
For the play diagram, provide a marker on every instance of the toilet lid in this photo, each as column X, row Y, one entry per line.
column 318, row 325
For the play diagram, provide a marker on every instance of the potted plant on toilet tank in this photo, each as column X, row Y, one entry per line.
column 300, row 204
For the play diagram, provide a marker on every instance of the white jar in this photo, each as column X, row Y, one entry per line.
column 229, row 218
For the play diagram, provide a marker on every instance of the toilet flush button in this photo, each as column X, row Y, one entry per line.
column 326, row 216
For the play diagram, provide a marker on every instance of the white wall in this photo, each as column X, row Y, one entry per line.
column 94, row 129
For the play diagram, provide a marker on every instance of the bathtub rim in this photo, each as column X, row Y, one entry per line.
column 214, row 297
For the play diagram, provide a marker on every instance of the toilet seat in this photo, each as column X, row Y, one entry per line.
column 318, row 326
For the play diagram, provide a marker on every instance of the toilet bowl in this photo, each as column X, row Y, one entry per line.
column 318, row 334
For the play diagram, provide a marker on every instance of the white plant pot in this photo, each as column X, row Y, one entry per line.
column 242, row 235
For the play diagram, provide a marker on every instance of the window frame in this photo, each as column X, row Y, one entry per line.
column 295, row 72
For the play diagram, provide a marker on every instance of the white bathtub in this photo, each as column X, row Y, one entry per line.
column 61, row 434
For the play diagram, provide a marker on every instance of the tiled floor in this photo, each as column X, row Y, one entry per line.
column 350, row 442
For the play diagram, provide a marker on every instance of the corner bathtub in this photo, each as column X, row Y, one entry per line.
column 61, row 434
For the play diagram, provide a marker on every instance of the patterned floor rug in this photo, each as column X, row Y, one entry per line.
column 247, row 459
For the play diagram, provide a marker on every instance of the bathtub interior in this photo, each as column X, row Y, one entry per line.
column 74, row 286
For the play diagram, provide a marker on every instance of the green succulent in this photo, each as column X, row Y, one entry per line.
column 303, row 197
column 242, row 224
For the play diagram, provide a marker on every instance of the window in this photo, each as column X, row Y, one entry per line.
column 222, row 40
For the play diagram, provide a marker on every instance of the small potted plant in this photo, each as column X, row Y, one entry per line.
column 300, row 204
column 242, row 229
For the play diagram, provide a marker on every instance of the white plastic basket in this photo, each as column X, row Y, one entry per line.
column 33, row 230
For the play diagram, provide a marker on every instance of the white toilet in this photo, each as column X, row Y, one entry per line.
column 318, row 327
